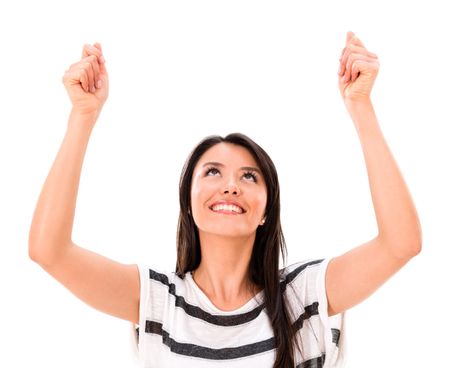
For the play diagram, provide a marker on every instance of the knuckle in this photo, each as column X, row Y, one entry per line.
column 350, row 60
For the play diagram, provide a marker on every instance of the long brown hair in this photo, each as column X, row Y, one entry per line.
column 269, row 241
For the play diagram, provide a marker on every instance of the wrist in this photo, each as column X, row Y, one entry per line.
column 361, row 112
column 81, row 123
column 86, row 118
column 356, row 103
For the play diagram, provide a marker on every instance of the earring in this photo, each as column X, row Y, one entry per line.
column 263, row 221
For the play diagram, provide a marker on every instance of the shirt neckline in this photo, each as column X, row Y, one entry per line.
column 253, row 302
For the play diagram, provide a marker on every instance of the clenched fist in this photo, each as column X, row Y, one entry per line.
column 357, row 71
column 87, row 82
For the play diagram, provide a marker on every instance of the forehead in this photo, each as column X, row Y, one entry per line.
column 228, row 154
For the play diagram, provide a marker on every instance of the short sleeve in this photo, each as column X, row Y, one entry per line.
column 321, row 336
column 333, row 326
column 137, row 330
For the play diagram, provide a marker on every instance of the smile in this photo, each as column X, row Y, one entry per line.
column 227, row 208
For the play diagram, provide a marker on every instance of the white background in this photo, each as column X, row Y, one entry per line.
column 182, row 70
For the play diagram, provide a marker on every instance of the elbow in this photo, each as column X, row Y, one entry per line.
column 35, row 247
column 40, row 256
column 34, row 252
column 404, row 247
column 416, row 243
column 32, row 249
column 45, row 251
column 415, row 248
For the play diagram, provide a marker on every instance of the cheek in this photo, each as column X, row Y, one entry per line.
column 262, row 199
column 200, row 193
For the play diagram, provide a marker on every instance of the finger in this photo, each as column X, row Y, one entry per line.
column 76, row 75
column 350, row 50
column 89, row 50
column 360, row 49
column 102, row 59
column 362, row 65
column 86, row 65
column 96, row 72
column 355, row 71
column 96, row 67
column 348, row 37
column 350, row 34
column 99, row 46
column 355, row 41
column 342, row 54
column 84, row 80
column 359, row 66
column 352, row 59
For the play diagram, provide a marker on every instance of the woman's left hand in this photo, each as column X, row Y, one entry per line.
column 358, row 70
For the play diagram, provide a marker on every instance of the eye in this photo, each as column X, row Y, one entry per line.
column 211, row 169
column 252, row 175
column 249, row 175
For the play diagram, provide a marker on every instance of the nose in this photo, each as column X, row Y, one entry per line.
column 231, row 187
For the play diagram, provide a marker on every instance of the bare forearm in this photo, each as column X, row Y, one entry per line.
column 397, row 218
column 52, row 223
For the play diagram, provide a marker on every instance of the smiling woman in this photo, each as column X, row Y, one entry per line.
column 228, row 303
column 232, row 303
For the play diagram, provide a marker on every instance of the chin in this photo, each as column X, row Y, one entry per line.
column 229, row 231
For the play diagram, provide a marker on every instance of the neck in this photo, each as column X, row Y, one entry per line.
column 223, row 271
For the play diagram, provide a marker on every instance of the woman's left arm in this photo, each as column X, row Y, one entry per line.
column 356, row 274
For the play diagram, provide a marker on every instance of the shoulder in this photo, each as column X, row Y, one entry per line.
column 159, row 276
column 301, row 269
column 304, row 281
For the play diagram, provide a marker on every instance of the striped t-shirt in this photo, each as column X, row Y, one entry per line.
column 180, row 327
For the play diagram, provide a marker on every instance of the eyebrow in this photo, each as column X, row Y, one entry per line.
column 252, row 168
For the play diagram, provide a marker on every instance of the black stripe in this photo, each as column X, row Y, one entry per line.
column 310, row 310
column 294, row 273
column 336, row 335
column 193, row 350
column 224, row 353
column 228, row 320
column 197, row 312
column 313, row 363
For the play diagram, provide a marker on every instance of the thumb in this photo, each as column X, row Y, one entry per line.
column 98, row 46
column 350, row 34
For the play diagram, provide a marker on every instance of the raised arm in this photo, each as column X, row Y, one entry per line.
column 106, row 285
column 355, row 275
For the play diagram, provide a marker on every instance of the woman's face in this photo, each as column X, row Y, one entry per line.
column 228, row 192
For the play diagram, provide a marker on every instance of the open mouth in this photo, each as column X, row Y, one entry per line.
column 227, row 208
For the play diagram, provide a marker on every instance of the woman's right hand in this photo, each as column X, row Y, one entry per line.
column 87, row 82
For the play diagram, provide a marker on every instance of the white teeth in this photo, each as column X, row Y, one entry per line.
column 227, row 207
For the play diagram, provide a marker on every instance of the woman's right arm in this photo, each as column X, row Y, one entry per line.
column 104, row 284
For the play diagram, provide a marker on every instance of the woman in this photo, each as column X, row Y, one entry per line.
column 228, row 304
